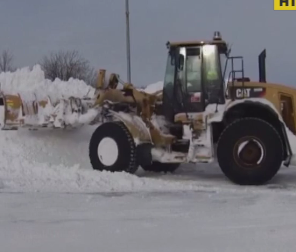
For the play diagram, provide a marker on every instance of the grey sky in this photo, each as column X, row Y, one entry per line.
column 32, row 28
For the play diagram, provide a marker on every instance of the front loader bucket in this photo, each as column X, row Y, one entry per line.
column 33, row 113
column 10, row 111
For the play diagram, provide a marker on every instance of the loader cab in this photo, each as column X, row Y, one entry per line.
column 194, row 76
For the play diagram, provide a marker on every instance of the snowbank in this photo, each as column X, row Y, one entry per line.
column 154, row 87
column 28, row 82
column 58, row 161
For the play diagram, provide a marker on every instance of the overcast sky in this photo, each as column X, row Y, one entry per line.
column 96, row 28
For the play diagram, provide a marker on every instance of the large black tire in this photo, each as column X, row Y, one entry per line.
column 123, row 158
column 241, row 168
column 161, row 167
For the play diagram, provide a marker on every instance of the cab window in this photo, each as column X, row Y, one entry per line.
column 190, row 75
column 212, row 73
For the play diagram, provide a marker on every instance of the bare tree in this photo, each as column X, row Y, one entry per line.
column 92, row 77
column 67, row 64
column 6, row 62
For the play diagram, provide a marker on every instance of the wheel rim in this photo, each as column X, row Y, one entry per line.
column 249, row 152
column 108, row 151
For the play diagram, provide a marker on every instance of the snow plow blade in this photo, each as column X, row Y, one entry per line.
column 33, row 113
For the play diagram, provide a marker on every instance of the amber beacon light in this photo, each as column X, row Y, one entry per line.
column 284, row 4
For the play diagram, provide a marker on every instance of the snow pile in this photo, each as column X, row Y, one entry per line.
column 28, row 82
column 154, row 87
column 58, row 161
column 31, row 85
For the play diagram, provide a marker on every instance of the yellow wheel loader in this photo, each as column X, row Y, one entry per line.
column 196, row 118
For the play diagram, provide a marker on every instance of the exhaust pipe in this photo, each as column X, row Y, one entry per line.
column 262, row 67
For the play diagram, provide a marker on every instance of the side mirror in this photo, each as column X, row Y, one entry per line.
column 181, row 62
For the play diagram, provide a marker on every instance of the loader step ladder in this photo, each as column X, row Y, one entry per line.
column 233, row 74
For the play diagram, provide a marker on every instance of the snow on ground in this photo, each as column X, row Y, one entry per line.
column 79, row 209
column 150, row 222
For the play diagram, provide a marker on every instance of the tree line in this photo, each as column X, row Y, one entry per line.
column 61, row 64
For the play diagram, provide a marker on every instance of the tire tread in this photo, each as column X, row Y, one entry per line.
column 251, row 178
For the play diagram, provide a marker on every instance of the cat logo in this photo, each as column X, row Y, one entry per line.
column 243, row 92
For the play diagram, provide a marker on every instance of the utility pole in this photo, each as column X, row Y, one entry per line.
column 128, row 50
